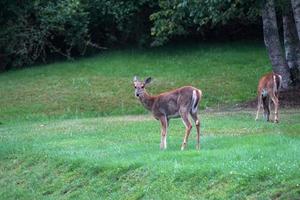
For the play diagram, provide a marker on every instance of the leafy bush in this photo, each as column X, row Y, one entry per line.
column 31, row 30
column 120, row 22
column 179, row 17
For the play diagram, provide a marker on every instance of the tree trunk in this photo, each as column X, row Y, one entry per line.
column 272, row 42
column 296, row 9
column 292, row 46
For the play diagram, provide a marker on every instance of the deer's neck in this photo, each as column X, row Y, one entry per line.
column 147, row 101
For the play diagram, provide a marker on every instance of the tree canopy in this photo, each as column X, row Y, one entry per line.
column 179, row 17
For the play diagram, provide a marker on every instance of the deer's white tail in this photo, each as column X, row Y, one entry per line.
column 280, row 82
column 277, row 79
column 195, row 100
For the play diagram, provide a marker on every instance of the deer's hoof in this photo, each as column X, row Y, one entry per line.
column 183, row 146
column 162, row 147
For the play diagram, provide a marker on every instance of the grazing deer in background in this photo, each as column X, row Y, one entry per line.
column 268, row 89
column 180, row 102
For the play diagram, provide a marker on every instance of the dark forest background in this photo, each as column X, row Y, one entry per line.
column 34, row 31
column 38, row 30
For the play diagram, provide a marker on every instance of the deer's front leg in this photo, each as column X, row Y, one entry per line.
column 164, row 124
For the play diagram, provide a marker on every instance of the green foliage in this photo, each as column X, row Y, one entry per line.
column 115, row 21
column 30, row 29
column 119, row 158
column 178, row 17
column 67, row 19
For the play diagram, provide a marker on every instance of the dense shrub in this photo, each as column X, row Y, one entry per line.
column 180, row 17
column 120, row 22
column 31, row 30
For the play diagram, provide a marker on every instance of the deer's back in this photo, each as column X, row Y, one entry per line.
column 170, row 103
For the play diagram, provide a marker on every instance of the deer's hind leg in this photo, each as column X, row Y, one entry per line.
column 188, row 127
column 197, row 123
column 259, row 102
column 266, row 105
column 276, row 105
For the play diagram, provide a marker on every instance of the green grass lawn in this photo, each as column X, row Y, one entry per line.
column 74, row 130
column 119, row 158
column 227, row 73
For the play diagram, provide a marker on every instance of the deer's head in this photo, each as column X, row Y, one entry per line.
column 139, row 86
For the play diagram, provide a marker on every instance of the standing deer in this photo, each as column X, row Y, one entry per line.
column 268, row 89
column 180, row 102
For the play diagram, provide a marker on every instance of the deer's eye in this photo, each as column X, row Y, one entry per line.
column 135, row 87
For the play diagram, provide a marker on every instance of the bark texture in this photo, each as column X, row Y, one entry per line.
column 296, row 11
column 272, row 42
column 292, row 46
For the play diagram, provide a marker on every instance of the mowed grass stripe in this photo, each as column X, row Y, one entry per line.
column 119, row 158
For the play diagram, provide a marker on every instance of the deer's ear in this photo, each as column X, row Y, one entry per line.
column 135, row 79
column 148, row 80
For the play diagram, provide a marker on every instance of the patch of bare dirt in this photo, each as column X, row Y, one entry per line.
column 287, row 99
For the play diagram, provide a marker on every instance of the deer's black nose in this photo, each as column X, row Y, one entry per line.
column 137, row 95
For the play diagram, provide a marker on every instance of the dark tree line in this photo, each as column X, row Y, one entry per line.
column 36, row 30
